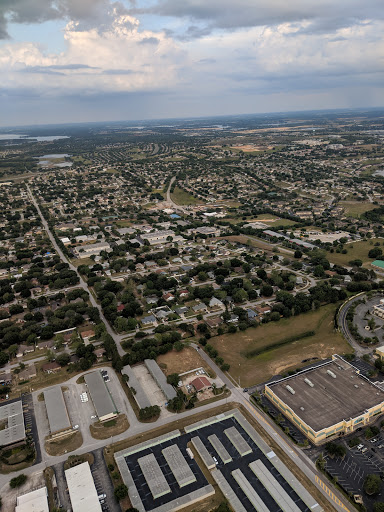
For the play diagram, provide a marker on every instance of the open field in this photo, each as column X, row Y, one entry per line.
column 253, row 242
column 356, row 250
column 65, row 444
column 356, row 208
column 183, row 361
column 123, row 223
column 76, row 262
column 182, row 198
column 325, row 342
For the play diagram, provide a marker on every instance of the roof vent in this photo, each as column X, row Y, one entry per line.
column 356, row 386
column 302, row 408
column 307, row 381
column 291, row 390
column 333, row 375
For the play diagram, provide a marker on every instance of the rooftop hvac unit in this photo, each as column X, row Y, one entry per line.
column 356, row 386
column 333, row 375
column 291, row 390
column 307, row 381
column 302, row 408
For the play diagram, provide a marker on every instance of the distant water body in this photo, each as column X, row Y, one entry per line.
column 379, row 173
column 47, row 160
column 14, row 136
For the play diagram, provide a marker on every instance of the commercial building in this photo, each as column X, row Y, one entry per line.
column 34, row 501
column 81, row 488
column 329, row 400
column 160, row 237
column 139, row 394
column 85, row 251
column 160, row 379
column 378, row 310
column 101, row 398
column 12, row 423
column 59, row 424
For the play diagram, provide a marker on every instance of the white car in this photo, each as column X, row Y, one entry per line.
column 76, row 427
column 216, row 461
column 93, row 417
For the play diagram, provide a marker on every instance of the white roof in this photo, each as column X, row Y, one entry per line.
column 82, row 490
column 35, row 501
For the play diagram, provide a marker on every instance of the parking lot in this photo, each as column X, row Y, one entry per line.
column 103, row 482
column 152, row 390
column 30, row 424
column 352, row 469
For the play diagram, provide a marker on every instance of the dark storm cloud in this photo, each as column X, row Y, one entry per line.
column 38, row 11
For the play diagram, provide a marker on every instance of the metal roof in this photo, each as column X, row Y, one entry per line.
column 100, row 395
column 82, row 490
column 155, row 370
column 14, row 431
column 140, row 396
column 56, row 409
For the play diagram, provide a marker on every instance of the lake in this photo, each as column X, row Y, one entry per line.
column 14, row 136
column 48, row 160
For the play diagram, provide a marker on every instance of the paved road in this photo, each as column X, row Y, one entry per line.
column 171, row 203
column 82, row 283
column 298, row 457
column 343, row 325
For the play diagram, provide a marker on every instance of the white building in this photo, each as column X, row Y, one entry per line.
column 81, row 488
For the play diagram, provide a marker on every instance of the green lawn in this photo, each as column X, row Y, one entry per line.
column 355, row 250
column 356, row 208
column 182, row 198
column 325, row 342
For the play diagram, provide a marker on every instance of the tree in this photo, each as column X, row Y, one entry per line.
column 173, row 379
column 378, row 506
column 121, row 492
column 266, row 290
column 372, row 484
column 18, row 481
column 63, row 359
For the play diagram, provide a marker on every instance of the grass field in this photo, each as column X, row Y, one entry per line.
column 325, row 342
column 110, row 428
column 182, row 198
column 258, row 244
column 356, row 208
column 356, row 250
column 123, row 223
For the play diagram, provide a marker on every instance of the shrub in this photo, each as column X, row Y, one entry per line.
column 121, row 492
column 18, row 481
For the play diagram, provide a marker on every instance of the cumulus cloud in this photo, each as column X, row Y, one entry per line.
column 118, row 57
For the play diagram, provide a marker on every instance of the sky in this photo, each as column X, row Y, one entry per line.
column 65, row 61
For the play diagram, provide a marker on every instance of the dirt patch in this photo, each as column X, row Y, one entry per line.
column 75, row 460
column 9, row 495
column 183, row 361
column 64, row 445
column 110, row 428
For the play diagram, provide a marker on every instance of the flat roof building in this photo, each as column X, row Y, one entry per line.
column 81, row 488
column 328, row 400
column 161, row 380
column 34, row 501
column 56, row 411
column 101, row 398
column 12, row 419
column 139, row 395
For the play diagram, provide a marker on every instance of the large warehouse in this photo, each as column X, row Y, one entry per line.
column 101, row 398
column 81, row 488
column 57, row 413
column 328, row 400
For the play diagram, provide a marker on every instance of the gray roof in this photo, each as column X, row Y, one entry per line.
column 100, row 395
column 158, row 375
column 15, row 430
column 56, row 410
column 140, row 396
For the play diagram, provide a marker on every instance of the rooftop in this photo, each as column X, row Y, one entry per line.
column 328, row 394
column 101, row 398
column 82, row 490
column 56, row 409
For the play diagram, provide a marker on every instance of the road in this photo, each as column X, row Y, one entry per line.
column 82, row 283
column 343, row 325
column 171, row 203
column 299, row 458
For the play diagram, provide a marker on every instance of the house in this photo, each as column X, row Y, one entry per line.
column 251, row 314
column 201, row 383
column 51, row 367
column 182, row 310
column 148, row 320
column 233, row 319
column 6, row 378
column 28, row 372
column 183, row 294
column 168, row 297
column 99, row 352
column 263, row 310
column 25, row 349
column 214, row 321
column 43, row 345
column 120, row 308
column 199, row 308
column 87, row 335
column 216, row 303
